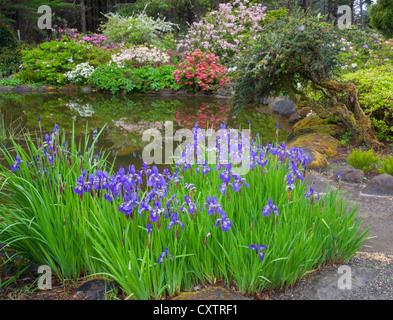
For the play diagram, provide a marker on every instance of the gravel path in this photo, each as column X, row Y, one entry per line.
column 369, row 275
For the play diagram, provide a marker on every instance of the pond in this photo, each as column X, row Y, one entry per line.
column 125, row 117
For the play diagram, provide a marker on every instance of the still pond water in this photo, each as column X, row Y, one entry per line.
column 125, row 117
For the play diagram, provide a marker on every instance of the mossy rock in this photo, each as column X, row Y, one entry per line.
column 46, row 88
column 314, row 124
column 70, row 88
column 318, row 161
column 325, row 144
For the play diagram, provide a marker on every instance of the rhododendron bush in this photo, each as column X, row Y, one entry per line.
column 201, row 71
column 225, row 31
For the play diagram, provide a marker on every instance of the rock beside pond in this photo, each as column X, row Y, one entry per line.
column 381, row 185
column 46, row 88
column 5, row 89
column 318, row 161
column 70, row 88
column 22, row 88
column 95, row 289
column 282, row 105
column 182, row 93
column 166, row 92
column 348, row 174
column 211, row 293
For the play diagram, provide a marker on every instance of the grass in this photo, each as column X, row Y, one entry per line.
column 153, row 233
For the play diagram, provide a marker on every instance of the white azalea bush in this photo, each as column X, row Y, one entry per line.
column 80, row 74
column 141, row 55
column 136, row 29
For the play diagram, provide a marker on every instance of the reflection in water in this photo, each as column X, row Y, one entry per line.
column 126, row 117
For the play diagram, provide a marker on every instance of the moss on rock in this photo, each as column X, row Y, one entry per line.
column 320, row 142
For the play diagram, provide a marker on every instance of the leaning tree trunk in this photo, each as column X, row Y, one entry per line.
column 352, row 114
column 349, row 111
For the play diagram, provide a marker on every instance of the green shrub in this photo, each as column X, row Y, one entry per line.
column 131, row 80
column 51, row 60
column 387, row 165
column 375, row 89
column 365, row 161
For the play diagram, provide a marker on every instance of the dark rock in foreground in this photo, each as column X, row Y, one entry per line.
column 95, row 289
column 381, row 185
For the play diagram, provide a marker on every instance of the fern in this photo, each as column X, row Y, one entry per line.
column 387, row 166
column 365, row 161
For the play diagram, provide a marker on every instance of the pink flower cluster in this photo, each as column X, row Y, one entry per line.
column 225, row 31
column 95, row 39
column 201, row 70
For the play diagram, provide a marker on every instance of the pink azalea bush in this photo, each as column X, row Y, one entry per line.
column 225, row 31
column 98, row 40
column 201, row 71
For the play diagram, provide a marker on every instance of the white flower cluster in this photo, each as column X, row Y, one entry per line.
column 81, row 73
column 140, row 54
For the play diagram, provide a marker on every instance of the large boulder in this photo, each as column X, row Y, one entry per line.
column 46, row 88
column 381, row 185
column 22, row 88
column 317, row 134
column 282, row 105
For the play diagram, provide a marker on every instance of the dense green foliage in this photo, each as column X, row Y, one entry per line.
column 51, row 60
column 376, row 96
column 387, row 165
column 365, row 161
column 131, row 80
column 381, row 17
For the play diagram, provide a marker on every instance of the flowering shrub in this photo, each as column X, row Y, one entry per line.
column 135, row 29
column 141, row 55
column 98, row 40
column 80, row 74
column 190, row 224
column 225, row 31
column 51, row 61
column 201, row 71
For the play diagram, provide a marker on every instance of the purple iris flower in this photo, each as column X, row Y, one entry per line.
column 163, row 255
column 16, row 164
column 258, row 249
column 223, row 188
column 213, row 205
column 156, row 212
column 79, row 188
column 149, row 228
column 225, row 223
column 175, row 221
column 191, row 206
column 290, row 182
column 270, row 208
column 236, row 185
